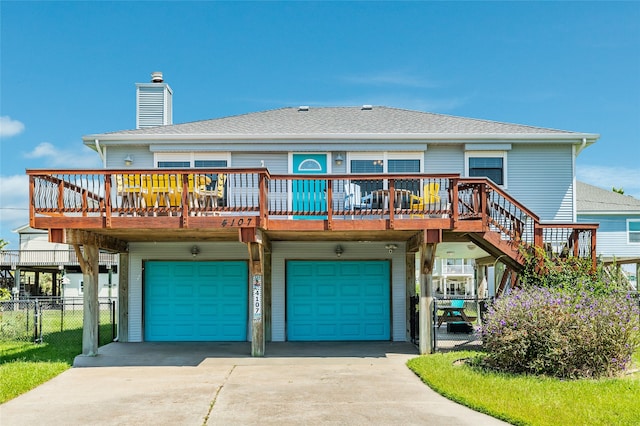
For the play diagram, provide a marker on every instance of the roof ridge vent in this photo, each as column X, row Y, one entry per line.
column 367, row 107
column 303, row 108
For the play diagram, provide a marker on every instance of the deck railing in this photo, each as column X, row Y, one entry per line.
column 404, row 201
column 16, row 258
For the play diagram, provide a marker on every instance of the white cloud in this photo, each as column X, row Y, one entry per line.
column 9, row 127
column 14, row 207
column 84, row 158
column 391, row 78
column 608, row 177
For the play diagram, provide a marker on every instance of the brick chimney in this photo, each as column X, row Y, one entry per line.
column 153, row 103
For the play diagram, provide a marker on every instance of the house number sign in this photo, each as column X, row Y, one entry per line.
column 236, row 221
column 257, row 297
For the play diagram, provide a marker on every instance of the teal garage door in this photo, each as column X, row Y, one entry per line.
column 338, row 300
column 195, row 301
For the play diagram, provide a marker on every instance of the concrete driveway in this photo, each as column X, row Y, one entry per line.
column 219, row 384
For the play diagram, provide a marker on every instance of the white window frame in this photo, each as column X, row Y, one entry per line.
column 191, row 157
column 629, row 231
column 488, row 154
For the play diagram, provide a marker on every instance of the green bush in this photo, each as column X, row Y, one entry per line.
column 13, row 326
column 560, row 333
column 5, row 294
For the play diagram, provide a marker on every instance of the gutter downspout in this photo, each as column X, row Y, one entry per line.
column 582, row 146
column 102, row 156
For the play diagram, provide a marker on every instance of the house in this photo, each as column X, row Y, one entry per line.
column 37, row 258
column 619, row 219
column 305, row 224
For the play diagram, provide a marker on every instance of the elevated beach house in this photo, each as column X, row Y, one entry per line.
column 305, row 223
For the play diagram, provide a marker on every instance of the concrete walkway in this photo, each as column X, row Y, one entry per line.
column 219, row 384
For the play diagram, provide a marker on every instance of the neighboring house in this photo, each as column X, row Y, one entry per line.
column 304, row 224
column 619, row 219
column 454, row 277
column 37, row 256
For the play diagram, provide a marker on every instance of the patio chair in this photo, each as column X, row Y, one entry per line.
column 214, row 196
column 352, row 196
column 430, row 196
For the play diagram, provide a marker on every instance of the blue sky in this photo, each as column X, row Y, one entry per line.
column 68, row 69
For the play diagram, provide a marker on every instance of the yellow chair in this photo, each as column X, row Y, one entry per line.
column 197, row 188
column 128, row 188
column 430, row 197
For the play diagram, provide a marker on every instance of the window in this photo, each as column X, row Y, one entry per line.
column 173, row 164
column 179, row 160
column 387, row 162
column 487, row 164
column 633, row 231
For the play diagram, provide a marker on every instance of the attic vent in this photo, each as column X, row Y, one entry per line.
column 156, row 77
column 303, row 108
column 367, row 107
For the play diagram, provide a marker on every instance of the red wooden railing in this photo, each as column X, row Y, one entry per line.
column 93, row 199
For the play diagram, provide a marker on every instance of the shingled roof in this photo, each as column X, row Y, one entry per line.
column 346, row 121
column 593, row 199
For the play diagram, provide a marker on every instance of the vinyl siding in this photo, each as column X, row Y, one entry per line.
column 541, row 177
column 275, row 162
column 611, row 236
column 444, row 159
column 283, row 251
column 142, row 157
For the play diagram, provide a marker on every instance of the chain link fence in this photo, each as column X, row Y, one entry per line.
column 57, row 320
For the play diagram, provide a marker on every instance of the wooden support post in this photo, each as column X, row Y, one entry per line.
column 123, row 298
column 256, row 268
column 427, row 256
column 410, row 266
column 88, row 258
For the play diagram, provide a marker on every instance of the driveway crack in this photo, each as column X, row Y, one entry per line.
column 215, row 397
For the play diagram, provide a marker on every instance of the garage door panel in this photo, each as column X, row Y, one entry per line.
column 338, row 300
column 326, row 310
column 196, row 301
column 350, row 309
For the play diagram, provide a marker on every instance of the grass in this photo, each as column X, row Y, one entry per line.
column 25, row 365
column 529, row 400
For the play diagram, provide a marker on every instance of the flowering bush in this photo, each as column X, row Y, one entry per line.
column 566, row 334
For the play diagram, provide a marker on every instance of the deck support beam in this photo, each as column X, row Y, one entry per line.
column 427, row 258
column 256, row 269
column 123, row 297
column 88, row 258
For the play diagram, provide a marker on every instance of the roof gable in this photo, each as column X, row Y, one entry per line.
column 590, row 198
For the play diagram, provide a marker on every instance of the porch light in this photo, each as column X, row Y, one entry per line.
column 339, row 250
column 128, row 160
column 391, row 247
column 339, row 159
column 195, row 251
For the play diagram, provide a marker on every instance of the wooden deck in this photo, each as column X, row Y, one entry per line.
column 223, row 204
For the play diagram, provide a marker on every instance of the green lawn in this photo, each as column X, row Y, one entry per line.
column 25, row 365
column 527, row 400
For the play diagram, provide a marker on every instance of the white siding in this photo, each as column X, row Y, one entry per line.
column 168, row 251
column 541, row 177
column 283, row 251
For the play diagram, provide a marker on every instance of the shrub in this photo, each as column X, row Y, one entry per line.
column 14, row 326
column 561, row 333
column 5, row 294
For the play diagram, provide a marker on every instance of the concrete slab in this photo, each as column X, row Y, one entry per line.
column 348, row 383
